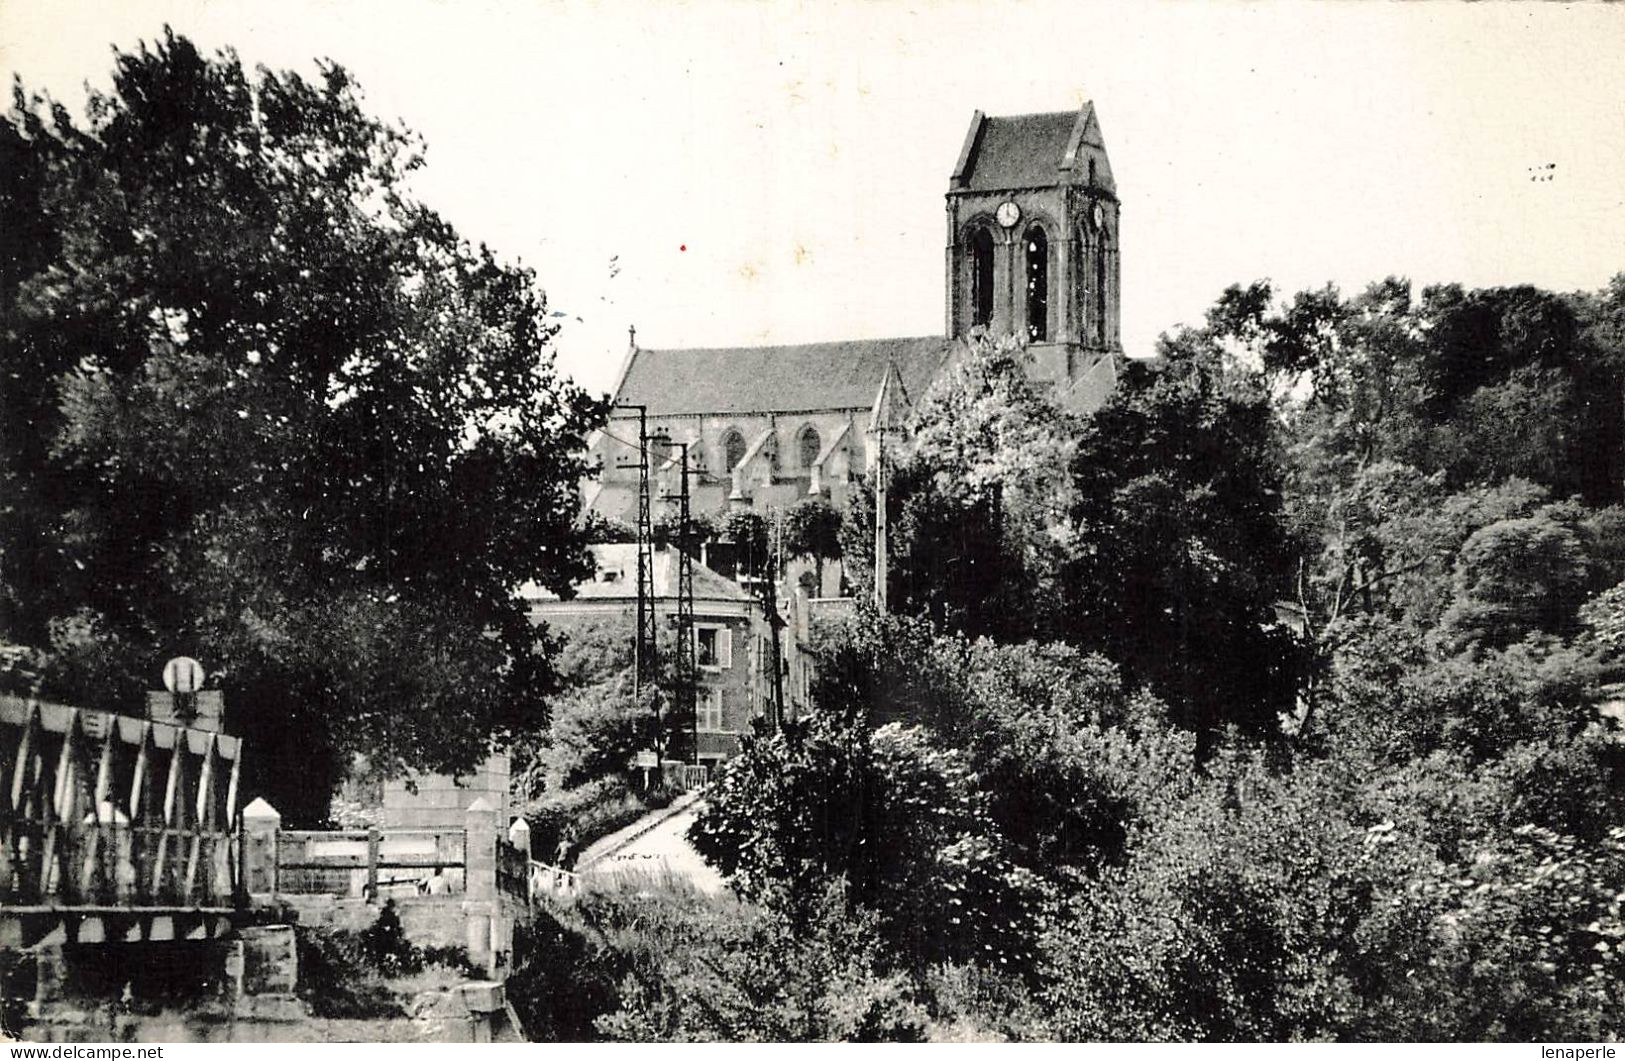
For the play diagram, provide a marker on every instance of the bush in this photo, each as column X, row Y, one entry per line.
column 1531, row 944
column 1070, row 760
column 664, row 963
column 337, row 980
column 1262, row 909
column 1517, row 577
column 1390, row 702
column 707, row 971
column 903, row 822
column 344, row 974
column 592, row 810
column 968, row 1003
column 567, row 977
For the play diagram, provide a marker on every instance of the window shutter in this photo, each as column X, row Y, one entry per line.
column 725, row 647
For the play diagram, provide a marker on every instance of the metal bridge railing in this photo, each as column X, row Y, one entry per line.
column 100, row 810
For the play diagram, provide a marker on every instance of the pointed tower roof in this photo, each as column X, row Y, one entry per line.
column 892, row 404
column 1034, row 151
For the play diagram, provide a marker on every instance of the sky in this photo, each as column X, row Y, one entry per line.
column 722, row 173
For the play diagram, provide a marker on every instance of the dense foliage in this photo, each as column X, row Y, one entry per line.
column 571, row 777
column 261, row 407
column 665, row 964
column 1278, row 698
column 1280, row 691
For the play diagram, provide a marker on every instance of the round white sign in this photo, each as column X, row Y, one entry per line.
column 183, row 674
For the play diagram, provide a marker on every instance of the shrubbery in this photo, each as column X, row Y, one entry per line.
column 588, row 812
column 1365, row 792
column 667, row 964
column 345, row 974
column 904, row 823
column 1447, row 842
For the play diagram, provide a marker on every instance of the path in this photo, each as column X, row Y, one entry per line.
column 655, row 845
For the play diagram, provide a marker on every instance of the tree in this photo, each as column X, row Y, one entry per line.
column 1072, row 761
column 264, row 408
column 1479, row 385
column 1603, row 620
column 1179, row 545
column 976, row 502
column 901, row 819
column 1519, row 576
column 752, row 543
column 812, row 528
column 1276, row 906
column 1601, row 316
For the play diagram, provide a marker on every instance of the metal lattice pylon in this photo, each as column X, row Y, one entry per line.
column 685, row 667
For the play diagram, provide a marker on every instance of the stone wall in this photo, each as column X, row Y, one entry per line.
column 438, row 921
column 441, row 801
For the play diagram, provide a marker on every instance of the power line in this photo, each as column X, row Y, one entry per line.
column 609, row 434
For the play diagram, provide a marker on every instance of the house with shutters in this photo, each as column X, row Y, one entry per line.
column 730, row 648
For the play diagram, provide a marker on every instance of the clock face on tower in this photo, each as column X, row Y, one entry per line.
column 1009, row 213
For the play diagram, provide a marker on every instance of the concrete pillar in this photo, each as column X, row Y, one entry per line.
column 236, row 964
column 482, row 906
column 519, row 831
column 270, row 959
column 487, row 1005
column 262, row 825
column 375, row 840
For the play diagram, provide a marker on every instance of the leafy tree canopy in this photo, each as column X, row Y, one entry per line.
column 1181, row 546
column 264, row 408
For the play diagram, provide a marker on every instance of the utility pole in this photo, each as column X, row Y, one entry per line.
column 685, row 606
column 645, row 670
column 766, row 586
column 770, row 604
column 880, row 517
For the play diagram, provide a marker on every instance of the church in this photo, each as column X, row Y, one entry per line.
column 1031, row 248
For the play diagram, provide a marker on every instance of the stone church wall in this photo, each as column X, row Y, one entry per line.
column 776, row 472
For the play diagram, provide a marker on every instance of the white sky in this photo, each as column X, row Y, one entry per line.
column 800, row 151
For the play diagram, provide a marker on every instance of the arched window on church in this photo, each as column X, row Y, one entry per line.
column 733, row 450
column 1100, row 285
column 1037, row 284
column 980, row 254
column 808, row 445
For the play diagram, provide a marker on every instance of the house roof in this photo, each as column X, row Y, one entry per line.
column 777, row 379
column 616, row 578
column 1092, row 389
column 1033, row 151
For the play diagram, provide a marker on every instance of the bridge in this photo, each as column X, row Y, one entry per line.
column 114, row 829
column 123, row 832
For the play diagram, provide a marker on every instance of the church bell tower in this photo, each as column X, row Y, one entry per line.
column 1033, row 239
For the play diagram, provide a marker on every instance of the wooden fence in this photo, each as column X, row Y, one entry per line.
column 686, row 777
column 554, row 881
